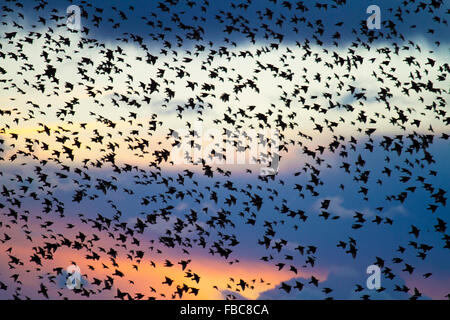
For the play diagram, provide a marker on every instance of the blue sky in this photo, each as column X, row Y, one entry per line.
column 351, row 13
column 337, row 268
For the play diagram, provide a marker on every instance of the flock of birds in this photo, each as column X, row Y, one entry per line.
column 97, row 117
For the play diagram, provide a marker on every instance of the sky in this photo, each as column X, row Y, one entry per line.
column 103, row 105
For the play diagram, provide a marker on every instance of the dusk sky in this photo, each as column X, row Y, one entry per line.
column 98, row 127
